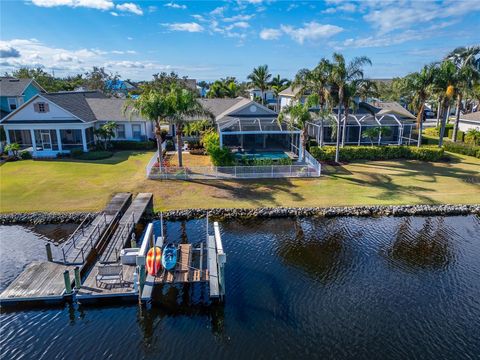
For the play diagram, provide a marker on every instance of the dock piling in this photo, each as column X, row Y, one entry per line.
column 78, row 282
column 133, row 241
column 48, row 247
column 68, row 284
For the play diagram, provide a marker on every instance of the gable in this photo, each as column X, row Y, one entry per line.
column 252, row 109
column 30, row 112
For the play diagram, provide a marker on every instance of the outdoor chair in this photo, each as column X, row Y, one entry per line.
column 109, row 274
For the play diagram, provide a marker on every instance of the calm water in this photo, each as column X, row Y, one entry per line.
column 345, row 288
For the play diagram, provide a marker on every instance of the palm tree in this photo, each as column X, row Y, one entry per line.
column 465, row 61
column 260, row 78
column 277, row 85
column 154, row 106
column 342, row 74
column 315, row 81
column 419, row 84
column 444, row 77
column 185, row 108
column 367, row 89
column 297, row 116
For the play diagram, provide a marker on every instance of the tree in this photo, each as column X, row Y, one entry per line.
column 14, row 148
column 224, row 88
column 467, row 71
column 342, row 74
column 260, row 78
column 106, row 132
column 315, row 81
column 99, row 79
column 420, row 84
column 185, row 107
column 374, row 133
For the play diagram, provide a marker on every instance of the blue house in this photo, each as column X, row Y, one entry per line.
column 14, row 92
column 119, row 86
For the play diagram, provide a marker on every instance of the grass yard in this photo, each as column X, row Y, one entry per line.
column 189, row 160
column 87, row 185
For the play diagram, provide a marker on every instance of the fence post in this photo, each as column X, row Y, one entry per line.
column 48, row 247
column 235, row 167
column 272, row 171
column 78, row 282
column 68, row 284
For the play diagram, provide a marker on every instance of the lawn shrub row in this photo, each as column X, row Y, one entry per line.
column 350, row 153
column 91, row 155
column 133, row 145
column 461, row 148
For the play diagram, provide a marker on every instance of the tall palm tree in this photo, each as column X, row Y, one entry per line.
column 420, row 85
column 185, row 108
column 367, row 89
column 467, row 71
column 342, row 74
column 444, row 77
column 297, row 116
column 154, row 106
column 315, row 81
column 277, row 85
column 260, row 78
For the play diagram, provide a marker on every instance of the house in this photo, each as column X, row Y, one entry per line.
column 399, row 121
column 268, row 96
column 14, row 92
column 469, row 121
column 53, row 123
column 246, row 125
column 119, row 87
column 290, row 96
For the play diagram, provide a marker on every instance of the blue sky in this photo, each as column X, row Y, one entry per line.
column 207, row 40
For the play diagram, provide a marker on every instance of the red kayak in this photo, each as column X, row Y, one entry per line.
column 154, row 260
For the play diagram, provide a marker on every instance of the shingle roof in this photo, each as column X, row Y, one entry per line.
column 109, row 109
column 289, row 91
column 380, row 108
column 474, row 116
column 12, row 86
column 76, row 102
column 218, row 106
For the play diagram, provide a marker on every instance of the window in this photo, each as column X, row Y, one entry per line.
column 40, row 107
column 137, row 131
column 121, row 131
column 12, row 103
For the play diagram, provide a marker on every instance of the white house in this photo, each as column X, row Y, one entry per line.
column 53, row 123
column 268, row 95
column 469, row 121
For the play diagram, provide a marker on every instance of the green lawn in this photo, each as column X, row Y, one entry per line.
column 83, row 186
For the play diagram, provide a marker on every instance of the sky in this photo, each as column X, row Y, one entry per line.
column 207, row 40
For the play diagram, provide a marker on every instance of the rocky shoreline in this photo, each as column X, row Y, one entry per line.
column 280, row 212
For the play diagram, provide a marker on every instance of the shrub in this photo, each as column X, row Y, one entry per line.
column 76, row 153
column 463, row 149
column 472, row 137
column 460, row 135
column 169, row 146
column 133, row 145
column 351, row 153
column 219, row 156
column 26, row 155
column 14, row 148
column 94, row 155
column 435, row 132
column 200, row 151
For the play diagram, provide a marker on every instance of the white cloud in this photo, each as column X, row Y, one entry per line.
column 152, row 8
column 175, row 5
column 218, row 11
column 239, row 17
column 130, row 7
column 93, row 4
column 239, row 25
column 113, row 13
column 129, row 38
column 7, row 51
column 189, row 27
column 311, row 31
column 270, row 34
column 347, row 7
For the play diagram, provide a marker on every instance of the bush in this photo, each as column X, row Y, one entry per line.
column 435, row 132
column 169, row 146
column 133, row 145
column 200, row 151
column 427, row 140
column 93, row 155
column 219, row 156
column 463, row 149
column 26, row 155
column 351, row 153
column 472, row 137
column 75, row 153
column 460, row 135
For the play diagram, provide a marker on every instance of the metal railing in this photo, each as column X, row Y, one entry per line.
column 121, row 235
column 154, row 158
column 311, row 161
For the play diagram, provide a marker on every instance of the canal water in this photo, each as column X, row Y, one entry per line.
column 339, row 288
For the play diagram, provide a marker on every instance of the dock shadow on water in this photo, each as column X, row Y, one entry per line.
column 336, row 288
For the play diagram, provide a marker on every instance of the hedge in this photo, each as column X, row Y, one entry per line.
column 133, row 145
column 460, row 135
column 93, row 155
column 350, row 153
column 461, row 148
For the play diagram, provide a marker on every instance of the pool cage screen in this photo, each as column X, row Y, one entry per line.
column 397, row 131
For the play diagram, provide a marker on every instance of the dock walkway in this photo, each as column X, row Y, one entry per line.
column 39, row 281
column 79, row 246
column 126, row 226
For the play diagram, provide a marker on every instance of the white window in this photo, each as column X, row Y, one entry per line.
column 137, row 131
column 121, row 131
column 12, row 103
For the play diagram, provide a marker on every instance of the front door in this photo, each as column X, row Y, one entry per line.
column 46, row 141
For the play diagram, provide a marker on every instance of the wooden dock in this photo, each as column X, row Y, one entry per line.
column 184, row 272
column 88, row 237
column 142, row 204
column 40, row 281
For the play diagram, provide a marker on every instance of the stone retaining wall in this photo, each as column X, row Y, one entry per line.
column 188, row 214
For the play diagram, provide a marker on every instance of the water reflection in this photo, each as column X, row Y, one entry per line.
column 321, row 252
column 426, row 248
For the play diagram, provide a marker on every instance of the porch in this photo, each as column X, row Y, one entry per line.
column 44, row 140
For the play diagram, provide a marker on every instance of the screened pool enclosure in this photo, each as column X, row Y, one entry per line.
column 395, row 130
column 259, row 134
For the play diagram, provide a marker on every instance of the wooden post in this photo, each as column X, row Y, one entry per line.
column 133, row 242
column 48, row 247
column 78, row 282
column 68, row 284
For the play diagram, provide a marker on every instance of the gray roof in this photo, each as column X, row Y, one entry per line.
column 14, row 87
column 218, row 106
column 109, row 109
column 76, row 102
column 474, row 116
